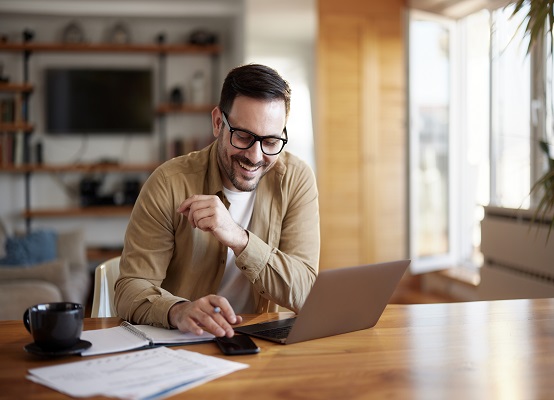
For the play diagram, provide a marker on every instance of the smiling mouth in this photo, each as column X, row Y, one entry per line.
column 249, row 168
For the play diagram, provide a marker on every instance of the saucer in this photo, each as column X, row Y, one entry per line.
column 77, row 348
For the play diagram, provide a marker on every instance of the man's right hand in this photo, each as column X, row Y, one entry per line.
column 200, row 315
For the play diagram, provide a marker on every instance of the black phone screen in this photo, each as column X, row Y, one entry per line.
column 238, row 344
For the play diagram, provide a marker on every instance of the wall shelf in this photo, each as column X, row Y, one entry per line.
column 16, row 127
column 16, row 87
column 23, row 127
column 96, row 211
column 79, row 168
column 112, row 48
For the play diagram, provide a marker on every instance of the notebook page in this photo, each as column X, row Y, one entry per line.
column 112, row 340
column 171, row 336
column 131, row 337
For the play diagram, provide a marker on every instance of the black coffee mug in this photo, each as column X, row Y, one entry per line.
column 55, row 326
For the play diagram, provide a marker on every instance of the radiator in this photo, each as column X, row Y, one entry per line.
column 518, row 258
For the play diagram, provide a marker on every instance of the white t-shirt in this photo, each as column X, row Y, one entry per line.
column 234, row 286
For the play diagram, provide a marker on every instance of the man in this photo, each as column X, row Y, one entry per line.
column 233, row 228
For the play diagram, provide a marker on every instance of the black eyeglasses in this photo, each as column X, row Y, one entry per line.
column 243, row 140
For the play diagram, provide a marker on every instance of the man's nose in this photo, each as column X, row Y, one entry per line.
column 255, row 153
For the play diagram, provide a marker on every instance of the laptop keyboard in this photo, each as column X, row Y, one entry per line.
column 277, row 333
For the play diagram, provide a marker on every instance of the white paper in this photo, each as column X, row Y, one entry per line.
column 148, row 374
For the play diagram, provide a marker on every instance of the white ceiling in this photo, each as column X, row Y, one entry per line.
column 158, row 8
column 297, row 19
column 456, row 8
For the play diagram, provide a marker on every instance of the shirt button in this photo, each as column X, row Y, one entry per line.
column 244, row 268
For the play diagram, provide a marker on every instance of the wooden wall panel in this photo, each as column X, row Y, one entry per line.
column 361, row 132
column 338, row 164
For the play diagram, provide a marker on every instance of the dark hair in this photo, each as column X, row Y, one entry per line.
column 255, row 81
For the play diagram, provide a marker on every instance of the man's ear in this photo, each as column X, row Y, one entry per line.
column 217, row 121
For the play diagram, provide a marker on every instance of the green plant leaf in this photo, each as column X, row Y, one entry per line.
column 539, row 15
column 545, row 209
column 537, row 23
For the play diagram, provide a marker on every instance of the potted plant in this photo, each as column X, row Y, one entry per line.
column 537, row 24
column 545, row 187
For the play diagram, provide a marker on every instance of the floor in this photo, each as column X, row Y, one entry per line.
column 411, row 290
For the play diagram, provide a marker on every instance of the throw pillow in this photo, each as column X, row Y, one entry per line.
column 33, row 248
column 3, row 237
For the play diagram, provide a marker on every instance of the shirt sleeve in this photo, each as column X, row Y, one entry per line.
column 284, row 272
column 148, row 249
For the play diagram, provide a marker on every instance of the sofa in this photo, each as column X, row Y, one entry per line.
column 65, row 278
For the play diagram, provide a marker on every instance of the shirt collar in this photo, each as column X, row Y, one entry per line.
column 215, row 185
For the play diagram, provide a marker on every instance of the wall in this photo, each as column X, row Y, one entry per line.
column 361, row 137
column 518, row 255
column 176, row 19
column 356, row 86
column 283, row 36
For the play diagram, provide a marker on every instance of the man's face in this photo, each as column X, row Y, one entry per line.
column 241, row 170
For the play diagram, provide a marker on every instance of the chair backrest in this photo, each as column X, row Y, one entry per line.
column 105, row 276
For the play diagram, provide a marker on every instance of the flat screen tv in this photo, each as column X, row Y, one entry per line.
column 96, row 100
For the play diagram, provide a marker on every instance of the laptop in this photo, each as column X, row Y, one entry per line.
column 341, row 300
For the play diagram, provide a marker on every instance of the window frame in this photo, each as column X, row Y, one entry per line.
column 436, row 261
column 460, row 218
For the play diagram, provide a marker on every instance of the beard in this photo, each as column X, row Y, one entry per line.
column 231, row 167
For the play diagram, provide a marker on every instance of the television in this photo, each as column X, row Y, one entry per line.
column 95, row 100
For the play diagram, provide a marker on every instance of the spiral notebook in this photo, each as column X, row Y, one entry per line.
column 127, row 337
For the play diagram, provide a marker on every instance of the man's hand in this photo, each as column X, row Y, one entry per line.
column 208, row 213
column 200, row 315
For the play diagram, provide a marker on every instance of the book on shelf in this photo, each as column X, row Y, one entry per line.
column 18, row 149
column 13, row 149
column 179, row 146
column 175, row 148
column 7, row 110
column 6, row 144
column 14, row 144
column 127, row 337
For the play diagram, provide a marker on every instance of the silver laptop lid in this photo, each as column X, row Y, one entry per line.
column 347, row 299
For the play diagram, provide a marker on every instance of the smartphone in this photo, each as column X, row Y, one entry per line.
column 238, row 344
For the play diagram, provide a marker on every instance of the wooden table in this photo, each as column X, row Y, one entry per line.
column 476, row 350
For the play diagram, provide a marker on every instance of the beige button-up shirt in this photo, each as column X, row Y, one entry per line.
column 165, row 261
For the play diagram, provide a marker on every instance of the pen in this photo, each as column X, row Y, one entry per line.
column 217, row 310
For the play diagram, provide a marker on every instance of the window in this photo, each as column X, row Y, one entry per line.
column 470, row 134
column 511, row 102
column 430, row 69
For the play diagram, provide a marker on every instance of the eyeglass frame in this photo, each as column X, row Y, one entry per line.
column 255, row 138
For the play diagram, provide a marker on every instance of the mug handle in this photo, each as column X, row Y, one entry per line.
column 26, row 321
